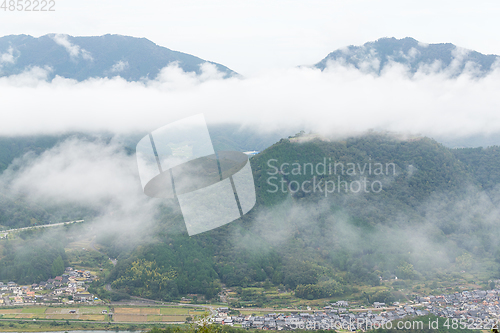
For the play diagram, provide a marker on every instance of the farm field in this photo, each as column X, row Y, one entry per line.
column 93, row 313
column 121, row 314
column 155, row 314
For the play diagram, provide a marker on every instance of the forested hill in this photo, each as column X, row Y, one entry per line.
column 433, row 211
column 16, row 212
column 410, row 208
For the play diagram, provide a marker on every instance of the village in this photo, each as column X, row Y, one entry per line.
column 69, row 288
column 476, row 309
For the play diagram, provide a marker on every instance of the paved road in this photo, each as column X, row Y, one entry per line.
column 41, row 226
column 391, row 308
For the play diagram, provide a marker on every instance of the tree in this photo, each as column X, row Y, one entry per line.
column 464, row 261
column 405, row 270
column 57, row 266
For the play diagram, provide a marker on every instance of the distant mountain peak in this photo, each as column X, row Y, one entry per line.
column 81, row 58
column 377, row 55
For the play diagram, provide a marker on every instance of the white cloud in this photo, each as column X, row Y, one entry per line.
column 370, row 65
column 7, row 57
column 459, row 54
column 119, row 66
column 339, row 101
column 31, row 77
column 412, row 53
column 73, row 50
column 86, row 55
column 83, row 173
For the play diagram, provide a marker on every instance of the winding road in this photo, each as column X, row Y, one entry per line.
column 5, row 232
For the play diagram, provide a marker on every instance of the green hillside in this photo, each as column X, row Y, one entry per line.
column 15, row 210
column 430, row 219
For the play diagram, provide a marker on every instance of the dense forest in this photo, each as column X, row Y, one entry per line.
column 325, row 246
column 432, row 209
column 36, row 256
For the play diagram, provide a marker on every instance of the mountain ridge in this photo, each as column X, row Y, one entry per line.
column 83, row 57
column 412, row 53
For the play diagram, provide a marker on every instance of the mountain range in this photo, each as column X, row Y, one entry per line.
column 81, row 58
column 377, row 55
column 432, row 213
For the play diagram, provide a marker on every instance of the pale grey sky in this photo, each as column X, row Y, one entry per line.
column 264, row 41
column 258, row 35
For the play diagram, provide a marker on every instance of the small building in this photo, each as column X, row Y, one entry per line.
column 83, row 297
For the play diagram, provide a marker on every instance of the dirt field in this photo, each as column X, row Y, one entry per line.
column 62, row 316
column 150, row 311
column 10, row 311
column 94, row 317
column 130, row 318
column 25, row 315
column 134, row 311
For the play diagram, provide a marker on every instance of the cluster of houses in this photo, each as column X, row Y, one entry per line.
column 68, row 288
column 475, row 309
column 332, row 317
column 329, row 318
column 477, row 306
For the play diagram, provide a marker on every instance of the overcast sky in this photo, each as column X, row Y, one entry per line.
column 255, row 35
column 264, row 41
